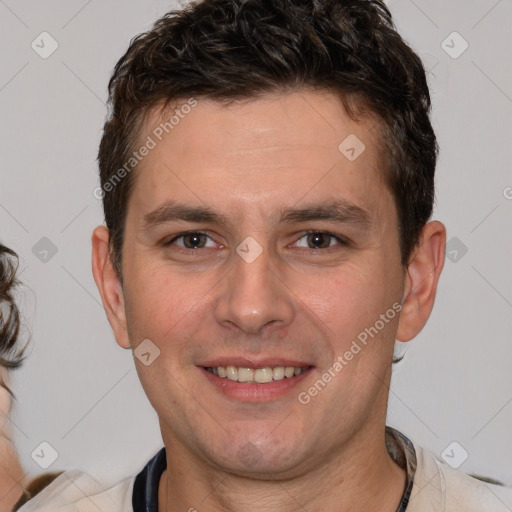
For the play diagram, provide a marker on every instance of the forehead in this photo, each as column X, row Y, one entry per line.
column 266, row 149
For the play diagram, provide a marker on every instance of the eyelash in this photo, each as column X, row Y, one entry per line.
column 342, row 240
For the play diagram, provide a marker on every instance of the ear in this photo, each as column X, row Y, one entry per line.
column 109, row 285
column 421, row 280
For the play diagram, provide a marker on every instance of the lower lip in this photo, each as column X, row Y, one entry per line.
column 254, row 392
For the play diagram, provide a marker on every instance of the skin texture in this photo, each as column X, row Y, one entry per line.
column 248, row 161
column 11, row 473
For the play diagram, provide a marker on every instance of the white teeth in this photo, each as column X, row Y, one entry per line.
column 289, row 371
column 258, row 375
column 245, row 375
column 263, row 375
column 232, row 372
column 278, row 373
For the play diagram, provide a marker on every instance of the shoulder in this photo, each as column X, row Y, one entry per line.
column 437, row 486
column 76, row 490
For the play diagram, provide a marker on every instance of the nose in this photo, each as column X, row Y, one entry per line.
column 254, row 296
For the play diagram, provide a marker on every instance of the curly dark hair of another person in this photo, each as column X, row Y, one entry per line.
column 11, row 354
column 226, row 50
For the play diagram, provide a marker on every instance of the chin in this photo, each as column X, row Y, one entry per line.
column 259, row 452
column 251, row 461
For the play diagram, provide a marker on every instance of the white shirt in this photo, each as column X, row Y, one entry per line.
column 436, row 488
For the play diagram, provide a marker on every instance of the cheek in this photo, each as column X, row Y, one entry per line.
column 351, row 292
column 352, row 301
column 158, row 301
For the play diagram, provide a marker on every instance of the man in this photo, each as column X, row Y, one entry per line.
column 267, row 175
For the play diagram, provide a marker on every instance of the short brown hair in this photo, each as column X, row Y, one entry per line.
column 240, row 49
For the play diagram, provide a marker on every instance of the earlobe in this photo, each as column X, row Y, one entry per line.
column 109, row 285
column 421, row 281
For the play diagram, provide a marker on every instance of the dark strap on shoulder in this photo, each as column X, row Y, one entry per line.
column 402, row 451
column 145, row 487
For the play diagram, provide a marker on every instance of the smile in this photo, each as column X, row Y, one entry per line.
column 257, row 375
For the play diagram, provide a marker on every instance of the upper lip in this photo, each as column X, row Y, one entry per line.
column 244, row 362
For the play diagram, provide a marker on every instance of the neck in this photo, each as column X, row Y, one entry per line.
column 360, row 477
column 11, row 476
column 11, row 473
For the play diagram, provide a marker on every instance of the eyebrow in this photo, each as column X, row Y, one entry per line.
column 341, row 212
column 171, row 211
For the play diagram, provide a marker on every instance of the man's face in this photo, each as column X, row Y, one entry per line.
column 254, row 287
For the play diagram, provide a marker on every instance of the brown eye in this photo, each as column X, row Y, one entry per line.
column 191, row 240
column 194, row 240
column 319, row 240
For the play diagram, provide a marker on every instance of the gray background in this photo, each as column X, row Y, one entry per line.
column 79, row 392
